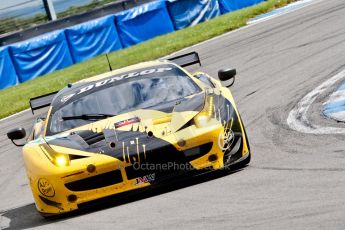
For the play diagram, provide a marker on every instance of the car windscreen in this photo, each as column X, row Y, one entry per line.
column 147, row 91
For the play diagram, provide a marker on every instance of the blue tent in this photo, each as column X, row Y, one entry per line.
column 93, row 38
column 143, row 22
column 41, row 55
column 185, row 13
column 8, row 75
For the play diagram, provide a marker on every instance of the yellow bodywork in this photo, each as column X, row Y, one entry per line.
column 48, row 180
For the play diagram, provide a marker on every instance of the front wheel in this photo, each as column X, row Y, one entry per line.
column 228, row 158
column 247, row 160
column 243, row 163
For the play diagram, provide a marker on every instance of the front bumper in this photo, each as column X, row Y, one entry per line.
column 69, row 188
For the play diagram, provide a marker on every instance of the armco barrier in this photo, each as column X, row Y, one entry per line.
column 185, row 13
column 92, row 38
column 62, row 23
column 8, row 75
column 143, row 22
column 62, row 48
column 227, row 6
column 40, row 55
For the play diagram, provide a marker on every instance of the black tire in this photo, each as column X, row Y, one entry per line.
column 243, row 163
column 246, row 161
column 49, row 216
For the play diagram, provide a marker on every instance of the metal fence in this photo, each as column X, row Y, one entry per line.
column 20, row 14
column 34, row 21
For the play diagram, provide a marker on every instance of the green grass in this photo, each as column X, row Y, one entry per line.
column 16, row 98
column 14, row 24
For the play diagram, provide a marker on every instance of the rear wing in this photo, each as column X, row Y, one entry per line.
column 186, row 59
column 41, row 101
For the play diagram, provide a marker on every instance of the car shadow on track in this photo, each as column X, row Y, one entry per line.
column 27, row 216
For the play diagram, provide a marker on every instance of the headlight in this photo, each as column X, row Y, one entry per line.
column 206, row 114
column 62, row 160
column 57, row 159
column 201, row 120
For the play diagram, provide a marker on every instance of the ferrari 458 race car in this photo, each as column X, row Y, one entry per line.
column 128, row 129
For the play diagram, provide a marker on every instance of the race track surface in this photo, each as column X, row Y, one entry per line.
column 295, row 180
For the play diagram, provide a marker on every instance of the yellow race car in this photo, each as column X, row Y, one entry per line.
column 128, row 129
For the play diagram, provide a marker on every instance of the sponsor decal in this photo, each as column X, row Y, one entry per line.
column 127, row 122
column 225, row 139
column 45, row 188
column 64, row 99
column 145, row 179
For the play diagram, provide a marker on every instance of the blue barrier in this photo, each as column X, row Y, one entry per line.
column 227, row 6
column 41, row 55
column 93, row 38
column 185, row 13
column 143, row 22
column 8, row 75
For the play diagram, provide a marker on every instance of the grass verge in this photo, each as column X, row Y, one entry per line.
column 16, row 98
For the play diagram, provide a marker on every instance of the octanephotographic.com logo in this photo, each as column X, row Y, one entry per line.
column 169, row 166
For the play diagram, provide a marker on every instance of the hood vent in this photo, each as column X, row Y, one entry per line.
column 90, row 137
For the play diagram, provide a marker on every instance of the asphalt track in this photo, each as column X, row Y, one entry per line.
column 295, row 180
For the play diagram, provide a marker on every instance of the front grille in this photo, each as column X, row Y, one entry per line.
column 94, row 182
column 197, row 152
column 160, row 161
column 167, row 163
column 134, row 172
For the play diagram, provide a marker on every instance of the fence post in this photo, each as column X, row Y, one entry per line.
column 49, row 7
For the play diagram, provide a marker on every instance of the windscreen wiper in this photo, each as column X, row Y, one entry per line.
column 90, row 117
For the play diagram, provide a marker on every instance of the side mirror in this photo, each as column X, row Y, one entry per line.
column 16, row 134
column 227, row 74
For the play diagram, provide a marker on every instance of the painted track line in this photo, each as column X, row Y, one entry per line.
column 334, row 107
column 338, row 116
column 280, row 11
column 298, row 119
column 337, row 96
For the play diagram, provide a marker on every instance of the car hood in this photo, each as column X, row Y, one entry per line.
column 129, row 135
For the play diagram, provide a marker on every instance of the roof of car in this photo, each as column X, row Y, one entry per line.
column 70, row 90
column 113, row 73
column 125, row 69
